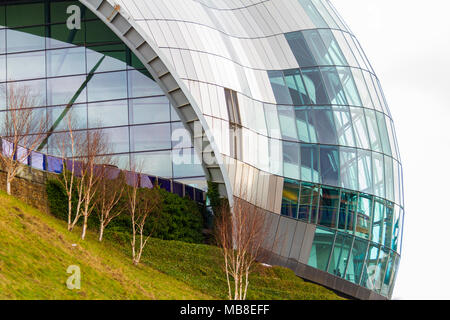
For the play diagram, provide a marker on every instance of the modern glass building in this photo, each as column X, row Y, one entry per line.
column 278, row 102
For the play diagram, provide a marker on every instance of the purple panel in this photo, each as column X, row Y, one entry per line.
column 164, row 184
column 146, row 182
column 189, row 192
column 178, row 189
column 199, row 195
column 37, row 161
column 132, row 178
column 54, row 164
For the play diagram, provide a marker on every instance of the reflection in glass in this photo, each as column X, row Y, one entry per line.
column 321, row 248
column 150, row 137
column 108, row 86
column 25, row 39
column 108, row 114
column 340, row 255
column 19, row 65
column 63, row 62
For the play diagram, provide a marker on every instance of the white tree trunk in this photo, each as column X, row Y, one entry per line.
column 8, row 187
column 83, row 233
column 102, row 228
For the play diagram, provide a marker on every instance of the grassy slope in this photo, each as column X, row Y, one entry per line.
column 36, row 249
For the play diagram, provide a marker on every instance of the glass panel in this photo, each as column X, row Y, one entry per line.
column 388, row 225
column 370, row 268
column 289, row 206
column 365, row 171
column 360, row 127
column 107, row 86
column 149, row 110
column 273, row 125
column 364, row 94
column 377, row 223
column 341, row 252
column 310, row 162
column 309, row 198
column 296, row 88
column 300, row 49
column 118, row 139
column 155, row 163
column 329, row 165
column 321, row 248
column 280, row 90
column 36, row 90
column 332, row 47
column 333, row 86
column 58, row 10
column 389, row 276
column 313, row 14
column 347, row 211
column 315, row 86
column 2, row 40
column 142, row 85
column 78, row 114
column 186, row 163
column 160, row 137
column 398, row 224
column 108, row 114
column 364, row 215
column 287, row 122
column 384, row 133
column 329, row 205
column 389, row 178
column 64, row 62
column 114, row 57
column 378, row 174
column 349, row 86
column 25, row 39
column 306, row 131
column 317, row 47
column 349, row 168
column 62, row 37
column 323, row 122
column 372, row 127
column 19, row 65
column 17, row 18
column 291, row 159
column 98, row 32
column 344, row 126
column 66, row 90
column 356, row 261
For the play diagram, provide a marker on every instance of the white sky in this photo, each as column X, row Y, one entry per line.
column 408, row 45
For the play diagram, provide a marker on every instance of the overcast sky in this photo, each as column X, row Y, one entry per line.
column 408, row 44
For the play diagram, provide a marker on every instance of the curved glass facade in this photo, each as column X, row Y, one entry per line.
column 340, row 156
column 91, row 73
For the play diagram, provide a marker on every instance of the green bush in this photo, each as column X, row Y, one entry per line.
column 180, row 219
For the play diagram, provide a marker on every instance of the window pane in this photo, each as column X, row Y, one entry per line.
column 321, row 248
column 313, row 14
column 2, row 40
column 291, row 159
column 186, row 163
column 363, row 216
column 114, row 57
column 378, row 174
column 365, row 171
column 296, row 88
column 64, row 62
column 62, row 37
column 310, row 162
column 377, row 222
column 287, row 122
column 374, row 134
column 344, row 126
column 155, row 163
column 66, row 90
column 118, row 139
column 289, row 206
column 347, row 211
column 280, row 90
column 381, row 118
column 108, row 86
column 300, row 49
column 370, row 268
column 309, row 198
column 305, row 127
column 323, row 122
column 150, row 137
column 142, row 85
column 28, row 65
column 315, row 86
column 149, row 110
column 25, row 39
column 98, row 32
column 364, row 94
column 317, row 47
column 328, row 209
column 341, row 252
column 108, row 114
column 332, row 47
column 17, row 18
column 356, row 261
column 360, row 127
column 389, row 178
column 59, row 116
column 329, row 165
column 349, row 86
column 333, row 86
column 349, row 168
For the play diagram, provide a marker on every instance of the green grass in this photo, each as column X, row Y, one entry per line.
column 36, row 249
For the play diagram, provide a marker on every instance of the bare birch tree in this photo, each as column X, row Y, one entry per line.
column 21, row 130
column 95, row 148
column 241, row 235
column 110, row 192
column 68, row 146
column 142, row 204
